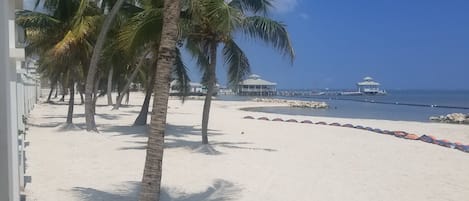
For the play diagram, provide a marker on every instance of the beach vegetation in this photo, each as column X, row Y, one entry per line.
column 143, row 32
column 151, row 180
column 62, row 38
column 209, row 24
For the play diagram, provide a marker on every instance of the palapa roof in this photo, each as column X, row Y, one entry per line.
column 256, row 80
column 368, row 81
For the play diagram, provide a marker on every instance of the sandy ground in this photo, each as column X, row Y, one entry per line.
column 273, row 161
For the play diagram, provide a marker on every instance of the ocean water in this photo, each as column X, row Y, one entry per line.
column 406, row 105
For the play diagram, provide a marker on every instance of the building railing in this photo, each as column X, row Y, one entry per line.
column 258, row 90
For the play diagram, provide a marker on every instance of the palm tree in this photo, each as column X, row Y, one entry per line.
column 211, row 23
column 151, row 180
column 93, row 67
column 144, row 30
column 62, row 38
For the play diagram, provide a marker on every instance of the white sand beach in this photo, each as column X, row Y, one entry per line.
column 247, row 160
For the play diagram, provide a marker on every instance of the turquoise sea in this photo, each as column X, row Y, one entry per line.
column 406, row 105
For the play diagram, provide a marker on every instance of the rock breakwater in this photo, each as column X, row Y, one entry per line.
column 294, row 103
column 458, row 118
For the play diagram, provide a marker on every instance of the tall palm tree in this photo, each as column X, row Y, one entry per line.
column 62, row 38
column 209, row 24
column 93, row 67
column 144, row 30
column 151, row 180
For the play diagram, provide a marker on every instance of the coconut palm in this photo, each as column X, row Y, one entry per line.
column 93, row 67
column 144, row 30
column 209, row 24
column 151, row 180
column 62, row 38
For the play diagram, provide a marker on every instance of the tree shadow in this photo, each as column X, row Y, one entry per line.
column 176, row 137
column 135, row 131
column 142, row 131
column 181, row 131
column 219, row 190
column 127, row 192
column 123, row 105
column 104, row 116
column 212, row 148
column 45, row 125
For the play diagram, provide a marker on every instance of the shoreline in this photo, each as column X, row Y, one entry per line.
column 441, row 119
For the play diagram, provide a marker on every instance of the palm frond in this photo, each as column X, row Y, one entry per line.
column 199, row 50
column 181, row 76
column 236, row 61
column 271, row 32
column 86, row 27
column 35, row 20
column 255, row 6
column 143, row 28
column 222, row 18
column 64, row 46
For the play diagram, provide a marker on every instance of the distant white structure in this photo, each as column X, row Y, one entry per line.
column 255, row 86
column 195, row 88
column 369, row 86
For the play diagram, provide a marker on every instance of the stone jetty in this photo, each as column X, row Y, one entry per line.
column 294, row 103
column 459, row 118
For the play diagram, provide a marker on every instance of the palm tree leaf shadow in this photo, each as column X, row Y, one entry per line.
column 220, row 190
column 176, row 138
column 127, row 192
column 135, row 131
column 181, row 131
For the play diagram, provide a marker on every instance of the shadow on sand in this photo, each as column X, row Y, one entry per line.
column 220, row 190
column 176, row 137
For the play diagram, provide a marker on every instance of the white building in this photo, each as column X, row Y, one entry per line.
column 195, row 88
column 369, row 86
column 18, row 92
column 255, row 86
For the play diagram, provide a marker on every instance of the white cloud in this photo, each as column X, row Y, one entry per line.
column 285, row 6
column 304, row 16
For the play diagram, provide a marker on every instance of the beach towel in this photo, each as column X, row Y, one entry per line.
column 426, row 138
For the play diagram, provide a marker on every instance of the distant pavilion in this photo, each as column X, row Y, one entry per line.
column 255, row 86
column 369, row 86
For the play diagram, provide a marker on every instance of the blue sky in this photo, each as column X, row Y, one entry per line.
column 404, row 44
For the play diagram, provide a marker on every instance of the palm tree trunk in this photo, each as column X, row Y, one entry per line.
column 127, row 97
column 82, row 99
column 130, row 80
column 95, row 95
column 50, row 93
column 81, row 89
column 63, row 95
column 71, row 103
column 64, row 91
column 109, row 86
column 210, row 90
column 151, row 181
column 142, row 116
column 93, row 69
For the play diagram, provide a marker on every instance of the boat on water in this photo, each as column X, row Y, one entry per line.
column 366, row 87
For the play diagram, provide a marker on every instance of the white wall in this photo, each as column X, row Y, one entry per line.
column 9, row 55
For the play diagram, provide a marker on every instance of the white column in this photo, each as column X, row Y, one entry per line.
column 5, row 151
column 9, row 172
